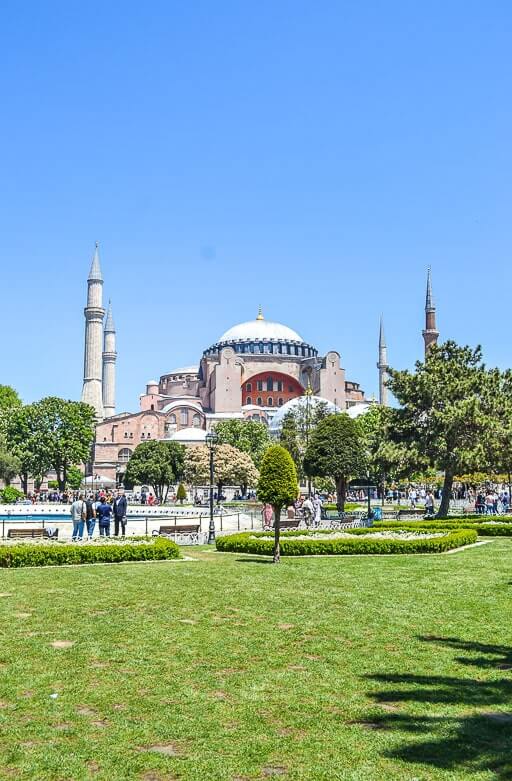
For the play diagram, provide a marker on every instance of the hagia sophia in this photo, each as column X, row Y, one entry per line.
column 255, row 370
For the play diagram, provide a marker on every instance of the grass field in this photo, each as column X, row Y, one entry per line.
column 227, row 667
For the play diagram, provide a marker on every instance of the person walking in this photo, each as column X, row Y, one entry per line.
column 429, row 504
column 78, row 514
column 103, row 514
column 120, row 508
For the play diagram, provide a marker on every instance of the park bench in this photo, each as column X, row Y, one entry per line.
column 289, row 523
column 186, row 532
column 412, row 512
column 389, row 515
column 18, row 534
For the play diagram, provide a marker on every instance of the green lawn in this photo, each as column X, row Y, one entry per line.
column 227, row 667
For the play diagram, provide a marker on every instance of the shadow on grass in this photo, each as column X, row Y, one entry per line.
column 255, row 561
column 478, row 737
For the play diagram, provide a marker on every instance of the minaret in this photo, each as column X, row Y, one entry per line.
column 383, row 366
column 109, row 365
column 430, row 334
column 94, row 313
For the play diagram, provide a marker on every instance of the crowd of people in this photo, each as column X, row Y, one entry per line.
column 86, row 510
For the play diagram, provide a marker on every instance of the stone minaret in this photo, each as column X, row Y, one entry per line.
column 430, row 334
column 109, row 365
column 383, row 366
column 94, row 313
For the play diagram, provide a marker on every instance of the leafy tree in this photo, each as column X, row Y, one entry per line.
column 446, row 413
column 75, row 478
column 231, row 467
column 9, row 495
column 336, row 449
column 249, row 436
column 24, row 436
column 52, row 433
column 500, row 443
column 277, row 486
column 9, row 398
column 159, row 464
column 181, row 493
column 9, row 466
column 298, row 426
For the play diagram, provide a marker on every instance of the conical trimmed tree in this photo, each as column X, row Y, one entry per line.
column 277, row 486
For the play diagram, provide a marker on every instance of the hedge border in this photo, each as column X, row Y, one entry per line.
column 483, row 530
column 56, row 554
column 260, row 543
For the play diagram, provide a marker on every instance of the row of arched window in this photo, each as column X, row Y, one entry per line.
column 184, row 419
column 270, row 401
column 271, row 385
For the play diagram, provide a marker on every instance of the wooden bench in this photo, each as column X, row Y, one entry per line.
column 412, row 512
column 18, row 534
column 181, row 530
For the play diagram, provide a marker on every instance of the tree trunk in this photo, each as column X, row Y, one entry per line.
column 219, row 492
column 277, row 532
column 447, row 494
column 24, row 482
column 341, row 489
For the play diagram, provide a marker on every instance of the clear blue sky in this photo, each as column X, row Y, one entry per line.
column 311, row 156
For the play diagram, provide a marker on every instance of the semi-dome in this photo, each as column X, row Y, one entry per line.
column 301, row 401
column 258, row 329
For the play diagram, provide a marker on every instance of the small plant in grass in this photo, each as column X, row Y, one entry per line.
column 277, row 486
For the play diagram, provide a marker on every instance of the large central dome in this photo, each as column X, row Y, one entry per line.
column 258, row 329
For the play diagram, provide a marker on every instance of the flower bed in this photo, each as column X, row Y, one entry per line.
column 483, row 528
column 356, row 541
column 50, row 553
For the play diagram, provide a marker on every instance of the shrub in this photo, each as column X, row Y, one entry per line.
column 9, row 495
column 483, row 529
column 260, row 543
column 55, row 553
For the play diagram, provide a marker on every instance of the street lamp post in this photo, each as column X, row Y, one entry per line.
column 211, row 441
column 368, row 493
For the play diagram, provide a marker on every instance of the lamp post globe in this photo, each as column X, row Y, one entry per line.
column 211, row 441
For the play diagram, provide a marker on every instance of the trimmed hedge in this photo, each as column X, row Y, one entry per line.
column 56, row 554
column 259, row 543
column 483, row 529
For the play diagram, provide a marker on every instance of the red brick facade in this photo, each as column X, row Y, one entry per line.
column 270, row 389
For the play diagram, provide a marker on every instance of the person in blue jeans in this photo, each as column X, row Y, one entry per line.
column 78, row 511
column 90, row 516
column 103, row 514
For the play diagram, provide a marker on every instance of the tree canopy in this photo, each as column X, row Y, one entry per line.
column 445, row 418
column 157, row 463
column 297, row 428
column 249, row 436
column 277, row 485
column 336, row 449
column 231, row 467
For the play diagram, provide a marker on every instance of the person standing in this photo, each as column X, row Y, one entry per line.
column 90, row 516
column 429, row 504
column 78, row 514
column 120, row 508
column 103, row 514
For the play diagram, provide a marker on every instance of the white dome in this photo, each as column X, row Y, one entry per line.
column 185, row 370
column 358, row 409
column 189, row 435
column 301, row 401
column 259, row 329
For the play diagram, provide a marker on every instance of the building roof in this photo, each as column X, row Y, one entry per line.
column 192, row 434
column 185, row 370
column 300, row 401
column 258, row 329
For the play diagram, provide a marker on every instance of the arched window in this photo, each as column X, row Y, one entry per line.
column 248, row 387
column 196, row 420
column 279, row 385
column 172, row 419
column 152, row 406
column 184, row 417
column 270, row 384
column 280, row 402
column 124, row 455
column 248, row 400
column 259, row 401
column 269, row 401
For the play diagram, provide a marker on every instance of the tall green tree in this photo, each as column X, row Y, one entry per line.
column 297, row 429
column 159, row 464
column 249, row 436
column 61, row 434
column 278, row 486
column 445, row 417
column 9, row 466
column 337, row 450
column 24, row 438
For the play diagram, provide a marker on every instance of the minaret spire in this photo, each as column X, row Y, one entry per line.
column 382, row 365
column 430, row 333
column 94, row 313
column 109, row 365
